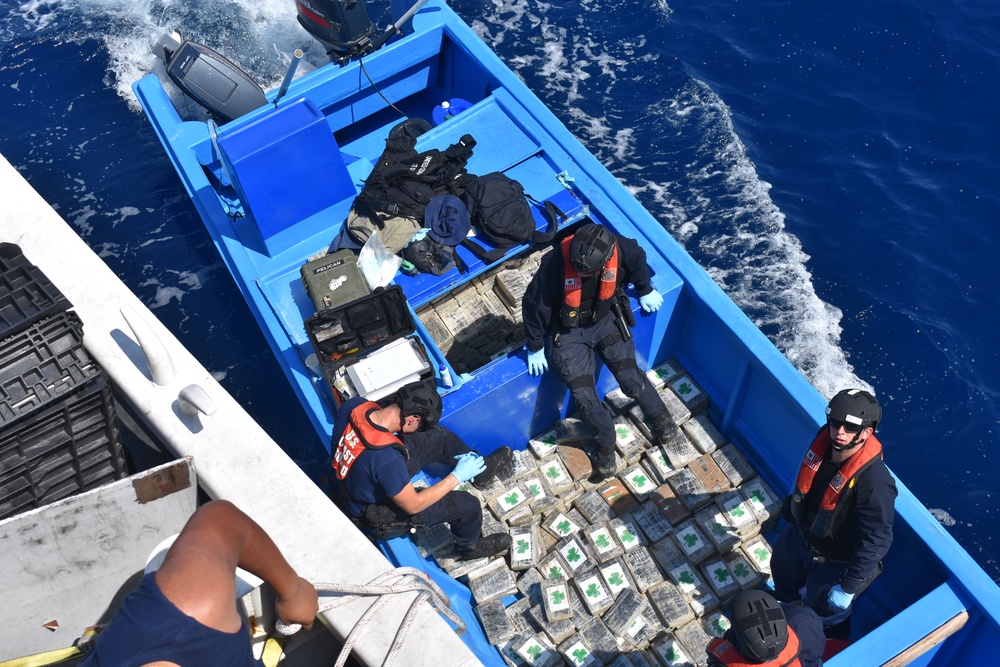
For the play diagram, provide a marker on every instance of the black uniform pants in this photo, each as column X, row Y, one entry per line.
column 799, row 576
column 459, row 509
column 574, row 359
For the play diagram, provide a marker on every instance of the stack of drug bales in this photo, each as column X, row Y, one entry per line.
column 633, row 571
column 481, row 320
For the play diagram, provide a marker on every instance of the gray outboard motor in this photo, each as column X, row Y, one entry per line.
column 342, row 26
column 208, row 78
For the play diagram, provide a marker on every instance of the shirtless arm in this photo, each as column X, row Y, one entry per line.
column 198, row 573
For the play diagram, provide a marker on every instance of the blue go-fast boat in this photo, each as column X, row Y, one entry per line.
column 274, row 182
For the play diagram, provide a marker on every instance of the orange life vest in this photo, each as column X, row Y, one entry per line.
column 359, row 435
column 843, row 480
column 725, row 653
column 573, row 288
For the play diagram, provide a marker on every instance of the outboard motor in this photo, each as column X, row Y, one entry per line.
column 208, row 78
column 342, row 26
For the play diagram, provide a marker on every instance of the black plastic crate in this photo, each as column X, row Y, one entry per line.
column 61, row 451
column 26, row 295
column 42, row 363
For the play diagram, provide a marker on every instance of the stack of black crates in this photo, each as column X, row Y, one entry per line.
column 58, row 428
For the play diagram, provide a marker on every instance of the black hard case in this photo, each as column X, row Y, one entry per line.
column 345, row 334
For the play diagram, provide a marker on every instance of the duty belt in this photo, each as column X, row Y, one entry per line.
column 820, row 558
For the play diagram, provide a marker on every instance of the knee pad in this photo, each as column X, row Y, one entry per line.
column 630, row 379
column 584, row 393
column 630, row 386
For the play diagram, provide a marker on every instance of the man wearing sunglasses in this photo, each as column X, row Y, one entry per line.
column 376, row 450
column 840, row 514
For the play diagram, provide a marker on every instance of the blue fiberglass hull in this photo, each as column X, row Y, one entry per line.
column 275, row 185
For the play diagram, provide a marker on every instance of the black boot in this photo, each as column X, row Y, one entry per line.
column 491, row 545
column 499, row 464
column 605, row 465
column 663, row 426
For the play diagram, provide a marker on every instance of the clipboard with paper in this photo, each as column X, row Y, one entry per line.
column 387, row 369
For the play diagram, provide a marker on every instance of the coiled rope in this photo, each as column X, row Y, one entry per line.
column 399, row 580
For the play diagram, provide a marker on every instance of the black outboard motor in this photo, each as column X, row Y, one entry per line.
column 342, row 26
column 211, row 80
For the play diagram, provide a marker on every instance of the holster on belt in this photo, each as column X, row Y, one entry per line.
column 621, row 309
column 385, row 523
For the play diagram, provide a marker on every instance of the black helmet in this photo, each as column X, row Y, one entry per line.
column 420, row 399
column 854, row 406
column 759, row 629
column 591, row 248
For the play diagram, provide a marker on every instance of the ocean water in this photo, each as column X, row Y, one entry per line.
column 834, row 167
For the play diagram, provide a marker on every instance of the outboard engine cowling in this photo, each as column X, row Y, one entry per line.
column 208, row 78
column 342, row 26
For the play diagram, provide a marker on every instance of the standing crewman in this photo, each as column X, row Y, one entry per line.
column 576, row 304
column 840, row 514
column 372, row 467
column 769, row 634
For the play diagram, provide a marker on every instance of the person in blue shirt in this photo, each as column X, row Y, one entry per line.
column 185, row 612
column 376, row 450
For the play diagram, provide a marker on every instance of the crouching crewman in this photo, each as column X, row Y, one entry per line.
column 376, row 450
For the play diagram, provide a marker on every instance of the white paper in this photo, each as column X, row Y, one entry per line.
column 396, row 361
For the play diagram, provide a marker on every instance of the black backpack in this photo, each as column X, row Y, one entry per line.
column 403, row 181
column 501, row 214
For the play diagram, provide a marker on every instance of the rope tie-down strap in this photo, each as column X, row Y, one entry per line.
column 393, row 582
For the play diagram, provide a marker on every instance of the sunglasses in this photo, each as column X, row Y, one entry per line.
column 848, row 426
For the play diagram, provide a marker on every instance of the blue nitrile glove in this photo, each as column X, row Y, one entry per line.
column 537, row 363
column 468, row 466
column 838, row 598
column 651, row 302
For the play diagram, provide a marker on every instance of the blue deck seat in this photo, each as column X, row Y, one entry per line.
column 501, row 142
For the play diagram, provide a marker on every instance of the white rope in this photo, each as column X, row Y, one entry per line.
column 392, row 582
column 358, row 628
